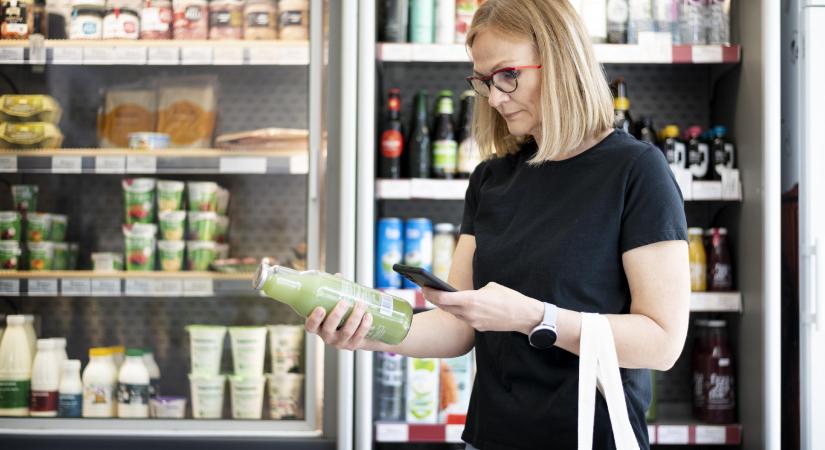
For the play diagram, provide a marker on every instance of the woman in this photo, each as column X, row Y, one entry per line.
column 567, row 216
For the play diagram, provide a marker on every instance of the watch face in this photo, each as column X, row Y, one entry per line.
column 543, row 338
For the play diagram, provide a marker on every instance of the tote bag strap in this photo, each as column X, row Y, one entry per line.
column 599, row 367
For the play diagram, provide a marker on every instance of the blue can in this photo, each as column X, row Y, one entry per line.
column 389, row 250
column 418, row 246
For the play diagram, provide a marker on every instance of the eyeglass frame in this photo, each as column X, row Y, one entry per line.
column 488, row 79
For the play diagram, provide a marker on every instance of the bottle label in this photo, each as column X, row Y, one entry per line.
column 392, row 144
column 14, row 394
column 698, row 388
column 43, row 401
column 468, row 156
column 445, row 155
column 291, row 18
column 154, row 387
column 721, row 276
column 392, row 373
column 697, row 277
column 69, row 405
column 719, row 392
column 133, row 394
column 97, row 400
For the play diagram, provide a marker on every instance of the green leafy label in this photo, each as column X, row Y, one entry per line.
column 14, row 394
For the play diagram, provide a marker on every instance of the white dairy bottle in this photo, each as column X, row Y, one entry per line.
column 31, row 335
column 15, row 368
column 133, row 387
column 99, row 380
column 70, row 393
column 154, row 372
column 45, row 380
column 60, row 354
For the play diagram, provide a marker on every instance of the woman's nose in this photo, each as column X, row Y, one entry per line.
column 497, row 97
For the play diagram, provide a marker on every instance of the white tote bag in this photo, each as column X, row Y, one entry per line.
column 599, row 367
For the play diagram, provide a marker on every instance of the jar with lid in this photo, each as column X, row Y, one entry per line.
column 720, row 269
column 698, row 367
column 293, row 20
column 190, row 19
column 226, row 19
column 87, row 19
column 259, row 20
column 156, row 19
column 18, row 19
column 698, row 261
column 720, row 397
column 443, row 248
column 122, row 21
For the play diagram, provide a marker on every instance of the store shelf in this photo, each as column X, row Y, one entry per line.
column 82, row 283
column 699, row 301
column 652, row 52
column 169, row 161
column 662, row 434
column 154, row 52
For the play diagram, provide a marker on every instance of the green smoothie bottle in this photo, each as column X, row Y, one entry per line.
column 305, row 291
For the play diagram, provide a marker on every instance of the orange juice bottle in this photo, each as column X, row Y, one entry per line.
column 698, row 261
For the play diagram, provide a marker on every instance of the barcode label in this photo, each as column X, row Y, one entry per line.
column 106, row 287
column 8, row 164
column 43, row 287
column 10, row 288
column 67, row 164
column 386, row 307
column 110, row 164
column 72, row 287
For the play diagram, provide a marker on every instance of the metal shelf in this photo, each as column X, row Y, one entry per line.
column 154, row 52
column 168, row 161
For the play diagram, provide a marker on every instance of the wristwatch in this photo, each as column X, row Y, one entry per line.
column 544, row 335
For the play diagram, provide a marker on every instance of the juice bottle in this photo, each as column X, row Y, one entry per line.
column 304, row 291
column 45, row 380
column 698, row 262
column 15, row 368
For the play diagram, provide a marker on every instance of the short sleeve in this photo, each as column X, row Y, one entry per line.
column 471, row 200
column 654, row 209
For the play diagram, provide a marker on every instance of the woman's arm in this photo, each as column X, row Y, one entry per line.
column 435, row 334
column 651, row 336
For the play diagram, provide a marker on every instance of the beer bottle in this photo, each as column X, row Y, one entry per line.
column 418, row 146
column 468, row 155
column 445, row 147
column 392, row 139
column 621, row 106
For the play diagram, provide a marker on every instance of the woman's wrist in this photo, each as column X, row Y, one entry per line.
column 532, row 316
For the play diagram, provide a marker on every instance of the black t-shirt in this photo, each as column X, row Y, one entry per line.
column 556, row 232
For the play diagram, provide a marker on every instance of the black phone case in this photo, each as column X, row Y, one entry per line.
column 423, row 278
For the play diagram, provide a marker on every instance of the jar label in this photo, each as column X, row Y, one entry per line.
column 43, row 401
column 291, row 18
column 133, row 394
column 259, row 20
column 14, row 394
column 69, row 405
column 445, row 155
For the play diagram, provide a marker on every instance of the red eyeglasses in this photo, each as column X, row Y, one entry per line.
column 505, row 80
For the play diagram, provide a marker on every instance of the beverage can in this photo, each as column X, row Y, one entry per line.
column 418, row 246
column 389, row 251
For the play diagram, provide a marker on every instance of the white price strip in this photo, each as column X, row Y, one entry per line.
column 140, row 287
column 651, row 432
column 168, row 287
column 164, row 56
column 67, row 164
column 263, row 55
column 198, row 287
column 731, row 186
column 106, row 287
column 10, row 288
column 45, row 287
column 98, row 55
column 707, row 190
column 299, row 164
column 11, row 55
column 297, row 56
column 707, row 54
column 130, row 55
column 8, row 164
column 228, row 56
column 110, row 164
column 196, row 56
column 67, row 55
column 237, row 164
column 672, row 434
column 707, row 434
column 452, row 433
column 141, row 164
column 76, row 287
column 392, row 432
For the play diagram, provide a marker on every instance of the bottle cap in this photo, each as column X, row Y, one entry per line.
column 59, row 342
column 148, row 351
column 261, row 275
column 71, row 364
column 445, row 93
column 716, row 323
column 694, row 231
column 15, row 320
column 45, row 344
column 694, row 131
column 134, row 352
column 117, row 349
column 99, row 351
column 468, row 93
column 670, row 131
column 720, row 131
column 445, row 228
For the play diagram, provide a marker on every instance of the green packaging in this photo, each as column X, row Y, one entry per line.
column 170, row 195
column 58, row 228
column 10, row 226
column 41, row 255
column 38, row 227
column 202, row 225
column 222, row 201
column 25, row 197
column 107, row 262
column 170, row 254
column 203, row 195
column 139, row 200
column 140, row 247
column 222, row 230
column 9, row 255
column 172, row 225
column 199, row 254
column 60, row 260
column 74, row 254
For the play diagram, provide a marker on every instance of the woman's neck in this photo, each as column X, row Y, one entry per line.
column 586, row 144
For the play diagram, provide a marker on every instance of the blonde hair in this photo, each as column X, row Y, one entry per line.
column 575, row 102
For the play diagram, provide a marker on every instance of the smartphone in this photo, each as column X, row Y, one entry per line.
column 423, row 278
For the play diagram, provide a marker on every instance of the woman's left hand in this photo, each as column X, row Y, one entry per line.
column 491, row 308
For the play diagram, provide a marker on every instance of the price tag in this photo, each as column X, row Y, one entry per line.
column 707, row 190
column 67, row 164
column 106, row 287
column 11, row 55
column 395, row 52
column 196, row 56
column 10, row 287
column 141, row 164
column 299, row 164
column 452, row 433
column 198, row 287
column 393, row 189
column 296, row 56
column 43, row 287
column 128, row 55
column 263, row 55
column 392, row 432
column 67, row 55
column 707, row 434
column 110, row 164
column 76, row 287
column 651, row 432
column 140, row 287
column 731, row 185
column 164, row 56
column 8, row 164
column 672, row 434
column 237, row 164
column 707, row 54
column 228, row 56
column 98, row 55
column 685, row 181
column 168, row 287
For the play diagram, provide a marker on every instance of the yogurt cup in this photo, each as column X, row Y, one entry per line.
column 38, row 227
column 170, row 254
column 199, row 255
column 201, row 225
column 168, row 407
column 221, row 251
column 140, row 246
column 207, row 395
column 222, row 229
column 58, row 228
column 170, row 195
column 286, row 396
column 40, row 255
column 248, row 350
column 10, row 229
column 139, row 200
column 148, row 141
column 9, row 255
column 286, row 348
column 107, row 262
column 206, row 347
column 203, row 195
column 60, row 260
column 222, row 201
column 247, row 396
column 25, row 197
column 172, row 225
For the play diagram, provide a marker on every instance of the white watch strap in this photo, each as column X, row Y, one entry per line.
column 551, row 311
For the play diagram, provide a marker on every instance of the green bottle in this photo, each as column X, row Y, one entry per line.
column 305, row 291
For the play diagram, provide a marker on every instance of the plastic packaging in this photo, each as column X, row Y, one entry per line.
column 200, row 254
column 226, row 19
column 286, row 396
column 133, row 387
column 121, row 23
column 202, row 195
column 248, row 350
column 172, row 225
column 139, row 200
column 107, row 262
column 286, row 348
column 206, row 346
column 29, row 135
column 15, row 368
column 58, row 227
column 140, row 246
column 247, row 396
column 154, row 372
column 9, row 255
column 10, row 229
column 293, row 20
column 45, row 380
column 207, row 395
column 156, row 19
column 87, row 19
column 41, row 255
column 191, row 19
column 167, row 407
column 202, row 225
column 170, row 255
column 70, row 392
column 99, row 379
column 260, row 20
column 25, row 197
column 170, row 196
column 29, row 108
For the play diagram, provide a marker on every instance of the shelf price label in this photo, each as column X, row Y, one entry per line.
column 67, row 55
column 141, row 164
column 98, row 55
column 10, row 287
column 228, row 56
column 110, row 164
column 237, row 164
column 168, row 287
column 129, row 55
column 8, row 164
column 708, row 434
column 67, row 164
column 392, row 432
column 140, row 287
column 672, row 434
column 296, row 56
column 76, row 287
column 196, row 56
column 198, row 287
column 11, row 55
column 263, row 55
column 106, row 287
column 164, row 56
column 43, row 287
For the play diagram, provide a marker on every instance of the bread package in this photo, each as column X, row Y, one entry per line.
column 126, row 111
column 187, row 112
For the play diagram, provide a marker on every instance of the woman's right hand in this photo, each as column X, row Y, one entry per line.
column 351, row 336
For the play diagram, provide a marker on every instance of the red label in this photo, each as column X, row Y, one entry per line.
column 44, row 401
column 392, row 144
